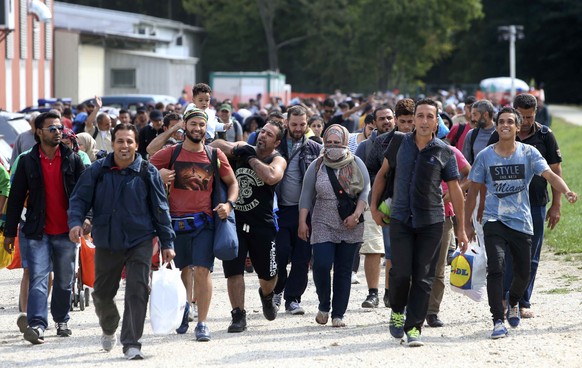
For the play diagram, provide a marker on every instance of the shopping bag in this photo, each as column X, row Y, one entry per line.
column 5, row 257
column 87, row 260
column 469, row 272
column 167, row 299
column 16, row 262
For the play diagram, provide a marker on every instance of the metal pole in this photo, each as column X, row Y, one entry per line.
column 512, row 34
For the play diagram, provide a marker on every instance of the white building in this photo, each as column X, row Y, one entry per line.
column 104, row 52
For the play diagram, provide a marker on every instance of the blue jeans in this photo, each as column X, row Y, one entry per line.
column 538, row 214
column 387, row 246
column 341, row 257
column 54, row 252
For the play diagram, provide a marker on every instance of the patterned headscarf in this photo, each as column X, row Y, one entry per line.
column 349, row 175
column 69, row 134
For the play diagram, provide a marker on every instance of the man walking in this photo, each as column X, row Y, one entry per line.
column 130, row 208
column 47, row 176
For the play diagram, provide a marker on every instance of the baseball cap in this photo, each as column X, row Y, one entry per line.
column 156, row 115
column 226, row 107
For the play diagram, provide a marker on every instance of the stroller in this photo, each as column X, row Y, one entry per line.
column 84, row 274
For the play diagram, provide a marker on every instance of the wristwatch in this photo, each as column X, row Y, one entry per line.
column 231, row 203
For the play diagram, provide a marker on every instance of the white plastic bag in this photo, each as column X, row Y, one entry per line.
column 469, row 272
column 167, row 300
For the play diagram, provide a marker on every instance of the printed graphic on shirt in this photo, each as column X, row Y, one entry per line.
column 247, row 180
column 193, row 176
column 503, row 173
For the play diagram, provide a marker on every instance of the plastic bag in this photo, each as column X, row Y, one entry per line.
column 167, row 300
column 469, row 272
column 5, row 257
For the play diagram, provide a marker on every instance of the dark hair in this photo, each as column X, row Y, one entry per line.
column 171, row 116
column 313, row 119
column 510, row 110
column 279, row 125
column 381, row 107
column 525, row 101
column 343, row 105
column 159, row 106
column 426, row 101
column 275, row 114
column 328, row 102
column 446, row 118
column 369, row 119
column 125, row 126
column 404, row 107
column 470, row 100
column 67, row 111
column 201, row 88
column 39, row 122
column 123, row 111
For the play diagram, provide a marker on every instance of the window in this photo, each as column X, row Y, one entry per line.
column 122, row 78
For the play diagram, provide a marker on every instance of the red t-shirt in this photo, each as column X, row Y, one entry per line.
column 453, row 133
column 192, row 188
column 461, row 163
column 54, row 194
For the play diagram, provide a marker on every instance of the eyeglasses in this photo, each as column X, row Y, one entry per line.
column 329, row 111
column 54, row 128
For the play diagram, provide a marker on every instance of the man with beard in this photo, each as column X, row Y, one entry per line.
column 373, row 245
column 299, row 152
column 191, row 204
column 258, row 170
column 482, row 113
column 45, row 178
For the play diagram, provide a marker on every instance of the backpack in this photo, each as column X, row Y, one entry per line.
column 96, row 132
column 474, row 135
column 393, row 148
column 460, row 132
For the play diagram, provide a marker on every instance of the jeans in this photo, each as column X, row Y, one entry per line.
column 56, row 253
column 414, row 258
column 108, row 267
column 500, row 240
column 438, row 285
column 387, row 246
column 290, row 248
column 341, row 257
column 538, row 214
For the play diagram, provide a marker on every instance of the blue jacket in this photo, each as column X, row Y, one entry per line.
column 127, row 209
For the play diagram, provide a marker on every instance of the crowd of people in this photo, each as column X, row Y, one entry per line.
column 315, row 185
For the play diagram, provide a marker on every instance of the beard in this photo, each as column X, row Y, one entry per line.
column 192, row 139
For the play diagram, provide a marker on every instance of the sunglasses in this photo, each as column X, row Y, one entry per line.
column 329, row 111
column 54, row 128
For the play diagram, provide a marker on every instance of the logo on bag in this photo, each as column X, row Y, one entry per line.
column 461, row 270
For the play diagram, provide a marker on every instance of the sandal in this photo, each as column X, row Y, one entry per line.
column 338, row 322
column 526, row 313
column 321, row 317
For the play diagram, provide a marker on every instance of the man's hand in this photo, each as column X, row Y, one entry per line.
column 87, row 227
column 379, row 217
column 168, row 255
column 9, row 244
column 244, row 152
column 167, row 175
column 553, row 216
column 223, row 209
column 463, row 241
column 227, row 126
column 98, row 103
column 75, row 234
column 303, row 231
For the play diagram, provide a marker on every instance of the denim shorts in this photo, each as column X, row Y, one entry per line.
column 195, row 249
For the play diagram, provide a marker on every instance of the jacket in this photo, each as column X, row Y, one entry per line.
column 28, row 180
column 129, row 206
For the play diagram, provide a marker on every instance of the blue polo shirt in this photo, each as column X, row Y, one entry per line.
column 417, row 199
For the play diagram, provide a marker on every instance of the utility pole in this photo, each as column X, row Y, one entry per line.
column 511, row 33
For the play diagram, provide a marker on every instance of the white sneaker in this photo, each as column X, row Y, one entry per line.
column 295, row 308
column 133, row 354
column 355, row 279
column 193, row 313
column 108, row 342
column 277, row 300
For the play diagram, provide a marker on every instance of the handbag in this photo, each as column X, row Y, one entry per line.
column 225, row 243
column 5, row 257
column 346, row 205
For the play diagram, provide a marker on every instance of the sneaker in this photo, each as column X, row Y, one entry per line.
column 34, row 335
column 355, row 279
column 322, row 317
column 193, row 312
column 239, row 320
column 499, row 330
column 22, row 322
column 108, row 342
column 526, row 313
column 269, row 309
column 277, row 299
column 63, row 329
column 371, row 301
column 396, row 325
column 433, row 320
column 338, row 322
column 413, row 338
column 185, row 321
column 513, row 317
column 295, row 308
column 202, row 332
column 133, row 354
column 386, row 300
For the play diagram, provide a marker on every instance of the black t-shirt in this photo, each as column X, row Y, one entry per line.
column 146, row 135
column 254, row 205
column 339, row 119
column 545, row 142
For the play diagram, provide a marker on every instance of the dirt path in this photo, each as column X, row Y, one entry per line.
column 572, row 114
column 552, row 338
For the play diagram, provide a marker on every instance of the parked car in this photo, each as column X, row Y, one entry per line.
column 132, row 102
column 11, row 125
column 5, row 153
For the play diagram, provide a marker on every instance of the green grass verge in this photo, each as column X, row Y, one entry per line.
column 566, row 238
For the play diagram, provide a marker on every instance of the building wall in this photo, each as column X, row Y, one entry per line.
column 26, row 60
column 67, row 64
column 91, row 71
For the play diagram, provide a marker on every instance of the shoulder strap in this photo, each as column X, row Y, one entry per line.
column 95, row 132
column 474, row 135
column 337, row 188
column 175, row 154
column 212, row 154
column 393, row 148
column 318, row 164
column 460, row 131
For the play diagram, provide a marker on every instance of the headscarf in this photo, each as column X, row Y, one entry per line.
column 69, row 134
column 349, row 175
column 90, row 145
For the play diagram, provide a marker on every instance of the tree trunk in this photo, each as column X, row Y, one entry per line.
column 267, row 13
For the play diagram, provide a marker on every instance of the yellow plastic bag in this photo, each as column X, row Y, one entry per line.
column 5, row 257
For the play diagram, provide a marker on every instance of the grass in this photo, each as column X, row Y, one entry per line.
column 566, row 238
column 557, row 291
